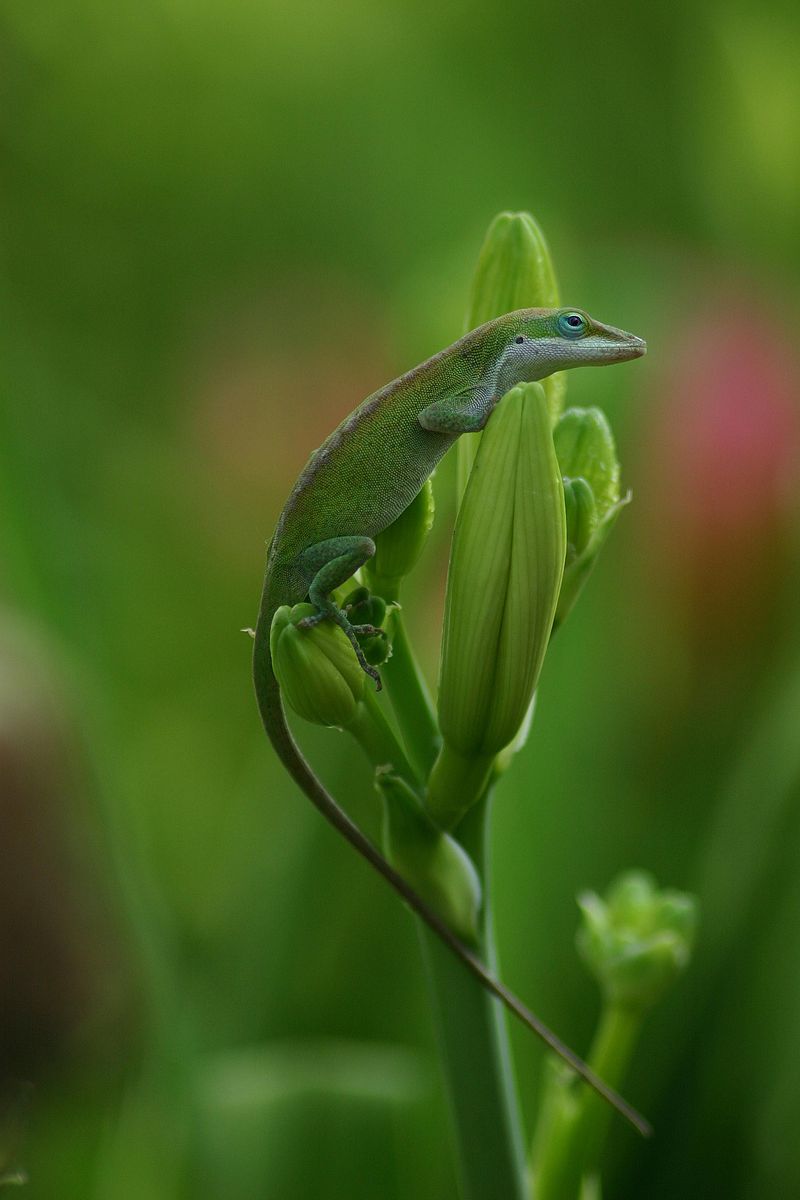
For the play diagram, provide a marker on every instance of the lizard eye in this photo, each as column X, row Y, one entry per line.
column 519, row 340
column 572, row 324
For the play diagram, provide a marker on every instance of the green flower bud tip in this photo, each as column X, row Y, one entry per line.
column 588, row 460
column 585, row 449
column 398, row 548
column 637, row 940
column 514, row 271
column 363, row 608
column 504, row 759
column 505, row 575
column 581, row 516
column 434, row 863
column 319, row 675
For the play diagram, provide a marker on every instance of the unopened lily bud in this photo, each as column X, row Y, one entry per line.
column 398, row 548
column 515, row 271
column 434, row 863
column 588, row 460
column 319, row 674
column 505, row 574
column 637, row 940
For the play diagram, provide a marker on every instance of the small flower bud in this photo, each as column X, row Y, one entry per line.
column 398, row 547
column 588, row 460
column 434, row 863
column 585, row 448
column 581, row 516
column 318, row 672
column 364, row 608
column 637, row 940
column 515, row 271
column 505, row 574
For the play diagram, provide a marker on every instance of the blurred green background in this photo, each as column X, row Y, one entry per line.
column 224, row 225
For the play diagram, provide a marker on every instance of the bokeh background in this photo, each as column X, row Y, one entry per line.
column 224, row 224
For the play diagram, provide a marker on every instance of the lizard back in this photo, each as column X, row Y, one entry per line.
column 375, row 462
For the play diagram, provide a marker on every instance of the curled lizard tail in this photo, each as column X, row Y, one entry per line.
column 275, row 724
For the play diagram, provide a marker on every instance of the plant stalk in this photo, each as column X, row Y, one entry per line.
column 475, row 1051
column 374, row 734
column 471, row 1026
column 575, row 1120
column 411, row 699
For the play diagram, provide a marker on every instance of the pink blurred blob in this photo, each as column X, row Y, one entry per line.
column 730, row 433
column 724, row 461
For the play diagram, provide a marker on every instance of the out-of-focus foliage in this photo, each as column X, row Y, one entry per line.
column 224, row 225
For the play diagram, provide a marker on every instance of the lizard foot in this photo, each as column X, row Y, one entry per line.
column 351, row 631
column 368, row 630
column 314, row 619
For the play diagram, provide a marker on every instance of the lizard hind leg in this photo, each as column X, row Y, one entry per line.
column 333, row 562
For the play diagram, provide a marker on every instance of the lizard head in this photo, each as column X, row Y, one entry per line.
column 543, row 340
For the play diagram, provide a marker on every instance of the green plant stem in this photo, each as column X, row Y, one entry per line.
column 574, row 1120
column 475, row 1051
column 471, row 1028
column 456, row 783
column 612, row 1048
column 378, row 740
column 411, row 699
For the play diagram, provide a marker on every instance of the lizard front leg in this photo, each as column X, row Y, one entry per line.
column 332, row 563
column 459, row 412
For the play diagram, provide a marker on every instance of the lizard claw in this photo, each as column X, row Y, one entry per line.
column 310, row 622
column 376, row 675
column 368, row 630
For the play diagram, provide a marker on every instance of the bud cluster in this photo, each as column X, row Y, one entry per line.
column 637, row 940
column 541, row 493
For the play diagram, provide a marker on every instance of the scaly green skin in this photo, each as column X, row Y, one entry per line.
column 358, row 482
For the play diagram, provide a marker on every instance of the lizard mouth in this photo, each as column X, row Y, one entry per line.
column 633, row 347
column 637, row 347
column 619, row 346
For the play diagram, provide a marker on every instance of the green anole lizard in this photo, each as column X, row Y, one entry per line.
column 357, row 483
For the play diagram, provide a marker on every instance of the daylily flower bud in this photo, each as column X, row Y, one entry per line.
column 588, row 460
column 637, row 940
column 434, row 863
column 585, row 447
column 515, row 271
column 505, row 574
column 318, row 672
column 581, row 513
column 399, row 546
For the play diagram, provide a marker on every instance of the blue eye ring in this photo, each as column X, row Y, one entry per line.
column 572, row 324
